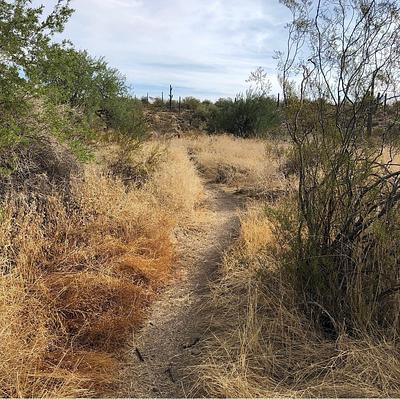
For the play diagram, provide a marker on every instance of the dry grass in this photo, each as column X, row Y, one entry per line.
column 247, row 164
column 263, row 346
column 391, row 156
column 79, row 271
column 256, row 230
column 176, row 184
column 163, row 169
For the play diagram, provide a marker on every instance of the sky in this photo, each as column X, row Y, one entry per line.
column 204, row 48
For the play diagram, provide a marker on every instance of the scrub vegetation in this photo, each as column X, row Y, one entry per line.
column 253, row 241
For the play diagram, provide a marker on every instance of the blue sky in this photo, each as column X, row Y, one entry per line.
column 204, row 48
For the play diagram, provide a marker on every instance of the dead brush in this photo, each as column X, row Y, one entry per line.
column 24, row 340
column 163, row 170
column 95, row 309
column 264, row 346
column 134, row 162
column 80, row 266
column 36, row 164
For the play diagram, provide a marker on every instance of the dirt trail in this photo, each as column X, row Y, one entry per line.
column 168, row 344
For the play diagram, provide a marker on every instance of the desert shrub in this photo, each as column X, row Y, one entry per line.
column 125, row 115
column 36, row 165
column 26, row 34
column 338, row 248
column 73, row 78
column 246, row 116
column 191, row 103
column 203, row 114
column 35, row 69
column 341, row 259
column 135, row 162
column 262, row 344
column 46, row 148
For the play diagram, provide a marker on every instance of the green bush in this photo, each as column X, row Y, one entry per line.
column 75, row 79
column 246, row 116
column 71, row 77
column 191, row 103
column 125, row 114
column 25, row 35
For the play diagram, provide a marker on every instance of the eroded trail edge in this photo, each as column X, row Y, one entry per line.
column 168, row 345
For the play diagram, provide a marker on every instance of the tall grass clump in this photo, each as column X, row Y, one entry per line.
column 176, row 183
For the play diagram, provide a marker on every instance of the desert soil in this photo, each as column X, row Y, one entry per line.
column 165, row 350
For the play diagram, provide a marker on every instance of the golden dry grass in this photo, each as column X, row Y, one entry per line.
column 263, row 346
column 176, row 184
column 391, row 156
column 247, row 164
column 79, row 272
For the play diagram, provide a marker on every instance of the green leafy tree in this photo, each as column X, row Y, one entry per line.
column 25, row 33
column 75, row 78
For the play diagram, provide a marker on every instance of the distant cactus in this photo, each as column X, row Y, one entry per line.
column 170, row 97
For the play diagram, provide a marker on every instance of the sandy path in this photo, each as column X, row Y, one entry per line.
column 167, row 346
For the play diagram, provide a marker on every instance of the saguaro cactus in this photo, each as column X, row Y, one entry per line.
column 170, row 97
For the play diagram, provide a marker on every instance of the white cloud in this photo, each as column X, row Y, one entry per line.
column 204, row 45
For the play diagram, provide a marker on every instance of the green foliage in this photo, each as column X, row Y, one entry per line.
column 191, row 103
column 69, row 126
column 25, row 33
column 246, row 116
column 82, row 152
column 10, row 136
column 200, row 108
column 73, row 77
column 54, row 86
column 76, row 79
column 125, row 115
